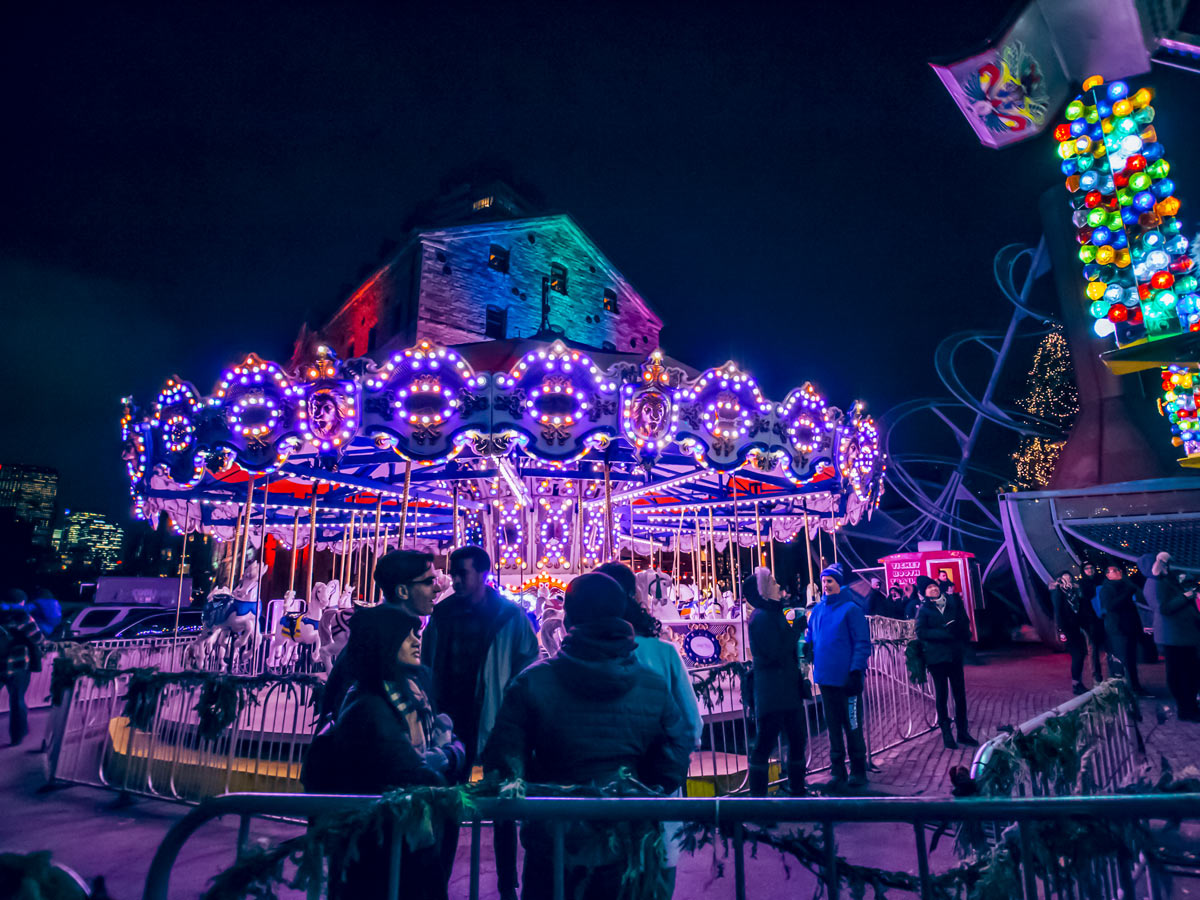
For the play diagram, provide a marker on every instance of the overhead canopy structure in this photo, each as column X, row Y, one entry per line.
column 530, row 448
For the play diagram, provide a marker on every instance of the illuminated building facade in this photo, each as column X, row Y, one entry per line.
column 30, row 492
column 90, row 541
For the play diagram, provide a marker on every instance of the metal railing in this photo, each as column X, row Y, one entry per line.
column 91, row 742
column 1113, row 743
column 1138, row 876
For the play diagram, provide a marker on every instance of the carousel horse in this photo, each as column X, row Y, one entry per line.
column 656, row 590
column 302, row 626
column 229, row 618
column 686, row 600
column 550, row 616
column 335, row 624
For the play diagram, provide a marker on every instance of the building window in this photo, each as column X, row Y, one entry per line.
column 498, row 258
column 482, row 203
column 496, row 324
column 610, row 301
column 558, row 278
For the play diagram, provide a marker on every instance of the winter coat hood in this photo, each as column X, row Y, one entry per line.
column 1145, row 564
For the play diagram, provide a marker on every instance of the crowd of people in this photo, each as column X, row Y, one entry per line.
column 1098, row 618
column 468, row 694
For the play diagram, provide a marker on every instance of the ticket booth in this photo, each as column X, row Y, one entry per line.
column 957, row 565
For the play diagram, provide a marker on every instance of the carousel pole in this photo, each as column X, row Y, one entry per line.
column 758, row 539
column 363, row 540
column 187, row 514
column 807, row 547
column 295, row 539
column 262, row 534
column 712, row 557
column 246, row 534
column 375, row 548
column 312, row 541
column 735, row 567
column 347, row 549
column 678, row 548
column 454, row 520
column 833, row 536
column 579, row 526
column 404, row 501
column 632, row 542
column 232, row 549
column 608, row 511
column 340, row 564
column 697, row 557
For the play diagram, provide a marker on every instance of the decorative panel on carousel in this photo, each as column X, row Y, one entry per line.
column 557, row 402
column 328, row 405
column 723, row 417
column 258, row 405
column 805, row 425
column 175, row 427
column 649, row 408
column 425, row 402
column 859, row 457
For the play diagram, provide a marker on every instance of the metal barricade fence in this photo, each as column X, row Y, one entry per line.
column 1113, row 745
column 1109, row 762
column 896, row 710
column 91, row 742
column 1136, row 875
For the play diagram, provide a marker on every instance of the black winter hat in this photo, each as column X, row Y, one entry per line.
column 590, row 597
column 924, row 581
column 376, row 634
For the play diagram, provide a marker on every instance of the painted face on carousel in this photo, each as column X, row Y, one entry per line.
column 324, row 414
column 652, row 411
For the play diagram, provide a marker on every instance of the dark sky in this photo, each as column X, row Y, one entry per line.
column 792, row 189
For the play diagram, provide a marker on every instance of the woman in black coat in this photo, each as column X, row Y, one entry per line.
column 777, row 695
column 944, row 630
column 386, row 736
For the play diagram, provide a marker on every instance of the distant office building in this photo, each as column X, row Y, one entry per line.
column 30, row 492
column 89, row 540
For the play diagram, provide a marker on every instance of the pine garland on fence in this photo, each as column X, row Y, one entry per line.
column 221, row 696
column 415, row 814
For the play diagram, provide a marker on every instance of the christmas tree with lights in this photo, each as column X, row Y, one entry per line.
column 1051, row 396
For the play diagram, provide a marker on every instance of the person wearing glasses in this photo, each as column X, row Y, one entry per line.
column 476, row 643
column 408, row 582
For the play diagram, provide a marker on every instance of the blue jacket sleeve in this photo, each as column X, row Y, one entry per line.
column 685, row 696
column 860, row 637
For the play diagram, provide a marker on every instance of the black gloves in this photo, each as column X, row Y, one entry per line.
column 854, row 683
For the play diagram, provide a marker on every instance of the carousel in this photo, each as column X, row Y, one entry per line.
column 551, row 460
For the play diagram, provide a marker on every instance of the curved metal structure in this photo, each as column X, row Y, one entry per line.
column 952, row 494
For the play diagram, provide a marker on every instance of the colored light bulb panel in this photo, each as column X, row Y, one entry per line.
column 1180, row 385
column 1140, row 279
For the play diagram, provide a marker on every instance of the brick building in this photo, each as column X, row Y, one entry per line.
column 495, row 272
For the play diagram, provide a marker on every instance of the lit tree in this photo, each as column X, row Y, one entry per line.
column 1051, row 396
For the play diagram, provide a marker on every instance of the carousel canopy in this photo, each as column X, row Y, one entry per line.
column 549, row 454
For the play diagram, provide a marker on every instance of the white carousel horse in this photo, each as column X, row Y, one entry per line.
column 230, row 618
column 551, row 629
column 334, row 630
column 302, row 626
column 656, row 590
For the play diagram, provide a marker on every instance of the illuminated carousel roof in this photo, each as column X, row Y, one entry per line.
column 512, row 435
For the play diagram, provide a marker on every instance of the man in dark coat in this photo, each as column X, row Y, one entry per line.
column 944, row 631
column 408, row 582
column 476, row 643
column 1076, row 622
column 1122, row 623
column 580, row 718
column 778, row 701
column 1176, row 630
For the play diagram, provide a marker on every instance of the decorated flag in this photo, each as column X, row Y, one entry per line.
column 1010, row 90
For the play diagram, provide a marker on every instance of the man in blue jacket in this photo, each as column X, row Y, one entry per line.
column 841, row 645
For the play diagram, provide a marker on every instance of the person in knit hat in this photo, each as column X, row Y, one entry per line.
column 580, row 718
column 944, row 630
column 777, row 695
column 840, row 640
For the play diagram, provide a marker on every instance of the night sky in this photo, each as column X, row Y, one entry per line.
column 186, row 182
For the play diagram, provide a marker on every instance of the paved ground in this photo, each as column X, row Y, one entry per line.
column 86, row 831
